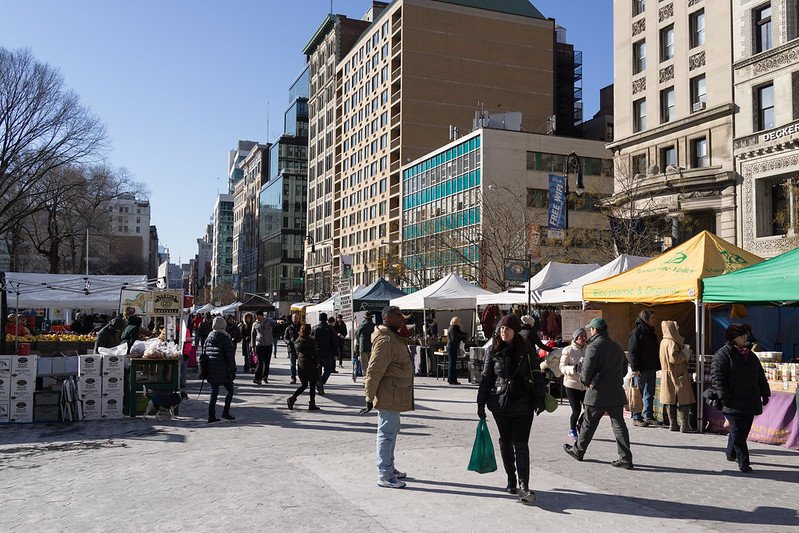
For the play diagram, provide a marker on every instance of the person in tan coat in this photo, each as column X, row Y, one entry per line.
column 571, row 364
column 389, row 389
column 675, row 381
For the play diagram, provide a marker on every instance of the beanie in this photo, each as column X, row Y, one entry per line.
column 511, row 321
column 219, row 323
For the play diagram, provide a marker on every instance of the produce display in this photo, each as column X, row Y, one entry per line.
column 52, row 337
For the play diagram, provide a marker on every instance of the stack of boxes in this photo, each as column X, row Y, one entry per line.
column 113, row 386
column 90, row 382
column 18, row 374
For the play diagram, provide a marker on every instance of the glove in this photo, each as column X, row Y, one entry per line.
column 765, row 401
column 481, row 411
column 540, row 405
column 366, row 409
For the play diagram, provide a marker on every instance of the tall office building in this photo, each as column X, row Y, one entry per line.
column 254, row 169
column 222, row 248
column 673, row 116
column 766, row 78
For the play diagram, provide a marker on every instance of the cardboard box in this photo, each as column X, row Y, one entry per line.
column 21, row 411
column 111, row 408
column 24, row 365
column 90, row 365
column 46, row 413
column 113, row 386
column 90, row 387
column 114, row 365
column 92, row 409
column 5, row 389
column 4, row 406
column 45, row 397
column 22, row 387
column 5, row 365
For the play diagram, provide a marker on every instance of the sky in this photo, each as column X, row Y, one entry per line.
column 178, row 82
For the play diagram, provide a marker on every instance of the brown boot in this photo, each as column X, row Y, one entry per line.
column 673, row 426
column 685, row 421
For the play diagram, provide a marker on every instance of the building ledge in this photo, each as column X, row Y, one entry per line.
column 766, row 55
column 673, row 182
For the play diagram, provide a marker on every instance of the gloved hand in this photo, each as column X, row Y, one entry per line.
column 481, row 411
column 765, row 401
column 540, row 405
column 366, row 409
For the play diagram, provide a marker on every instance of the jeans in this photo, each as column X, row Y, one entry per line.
column 274, row 346
column 593, row 415
column 245, row 352
column 184, row 368
column 647, row 383
column 576, row 398
column 360, row 362
column 292, row 358
column 328, row 363
column 264, row 354
column 740, row 426
column 514, row 438
column 388, row 426
column 215, row 395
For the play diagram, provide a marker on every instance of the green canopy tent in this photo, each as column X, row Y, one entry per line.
column 773, row 281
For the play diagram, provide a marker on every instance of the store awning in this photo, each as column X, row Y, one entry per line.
column 674, row 276
column 773, row 280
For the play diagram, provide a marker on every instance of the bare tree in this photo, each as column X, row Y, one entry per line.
column 43, row 127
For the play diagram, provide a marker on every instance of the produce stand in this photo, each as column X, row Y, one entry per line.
column 156, row 375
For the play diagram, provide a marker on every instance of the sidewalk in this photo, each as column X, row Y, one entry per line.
column 280, row 470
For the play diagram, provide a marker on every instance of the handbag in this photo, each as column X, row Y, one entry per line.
column 483, row 459
column 635, row 402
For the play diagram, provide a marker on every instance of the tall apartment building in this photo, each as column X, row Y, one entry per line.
column 222, row 248
column 254, row 169
column 419, row 68
column 673, row 115
column 466, row 203
column 766, row 78
column 330, row 43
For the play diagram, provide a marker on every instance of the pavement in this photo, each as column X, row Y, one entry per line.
column 279, row 470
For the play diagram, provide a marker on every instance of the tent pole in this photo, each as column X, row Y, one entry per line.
column 701, row 405
column 699, row 362
column 3, row 311
column 16, row 330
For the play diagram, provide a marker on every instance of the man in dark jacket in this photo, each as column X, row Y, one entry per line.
column 603, row 373
column 219, row 358
column 363, row 343
column 530, row 335
column 111, row 334
column 340, row 327
column 204, row 330
column 644, row 350
column 325, row 339
column 290, row 337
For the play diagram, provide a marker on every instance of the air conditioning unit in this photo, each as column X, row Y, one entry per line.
column 699, row 106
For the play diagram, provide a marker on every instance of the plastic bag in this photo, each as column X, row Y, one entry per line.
column 122, row 349
column 483, row 460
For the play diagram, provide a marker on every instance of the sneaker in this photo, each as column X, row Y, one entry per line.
column 390, row 483
column 400, row 475
column 568, row 448
column 212, row 419
column 290, row 402
column 320, row 391
column 228, row 416
column 731, row 458
column 184, row 395
column 293, row 381
column 652, row 422
column 256, row 382
column 313, row 408
column 572, row 434
column 266, row 380
column 618, row 463
column 640, row 423
column 745, row 469
column 526, row 495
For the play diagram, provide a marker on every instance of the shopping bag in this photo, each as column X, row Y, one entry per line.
column 483, row 459
column 635, row 402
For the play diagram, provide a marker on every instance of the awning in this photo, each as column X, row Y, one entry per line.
column 773, row 280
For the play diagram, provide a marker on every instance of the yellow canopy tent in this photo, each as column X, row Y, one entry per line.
column 675, row 277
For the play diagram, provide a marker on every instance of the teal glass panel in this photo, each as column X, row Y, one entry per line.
column 477, row 176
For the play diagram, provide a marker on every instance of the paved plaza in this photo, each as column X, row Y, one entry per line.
column 280, row 470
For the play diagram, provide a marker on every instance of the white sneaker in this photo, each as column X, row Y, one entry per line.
column 390, row 483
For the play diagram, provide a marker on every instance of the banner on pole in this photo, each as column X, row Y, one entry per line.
column 557, row 207
column 345, row 295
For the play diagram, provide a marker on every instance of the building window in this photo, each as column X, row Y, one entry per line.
column 639, row 115
column 667, row 106
column 775, row 196
column 639, row 56
column 639, row 165
column 668, row 156
column 698, row 93
column 764, row 96
column 699, row 153
column 638, row 7
column 667, row 43
column 763, row 28
column 697, row 26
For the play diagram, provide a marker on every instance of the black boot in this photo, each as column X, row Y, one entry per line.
column 523, row 468
column 506, row 449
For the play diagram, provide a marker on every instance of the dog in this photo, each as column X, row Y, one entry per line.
column 162, row 402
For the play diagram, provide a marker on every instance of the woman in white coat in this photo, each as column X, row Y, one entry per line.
column 571, row 361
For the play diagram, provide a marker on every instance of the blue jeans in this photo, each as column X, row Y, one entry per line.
column 292, row 358
column 328, row 363
column 647, row 383
column 388, row 426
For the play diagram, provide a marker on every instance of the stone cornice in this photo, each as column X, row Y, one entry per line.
column 685, row 181
column 765, row 57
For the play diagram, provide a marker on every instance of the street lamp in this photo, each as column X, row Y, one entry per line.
column 494, row 187
column 573, row 164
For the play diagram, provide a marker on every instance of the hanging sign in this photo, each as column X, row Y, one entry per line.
column 167, row 303
column 557, row 206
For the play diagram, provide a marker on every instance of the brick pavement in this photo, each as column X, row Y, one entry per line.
column 278, row 470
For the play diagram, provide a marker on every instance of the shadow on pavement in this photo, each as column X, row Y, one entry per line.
column 458, row 489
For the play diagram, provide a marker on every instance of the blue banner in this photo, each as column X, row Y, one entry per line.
column 557, row 203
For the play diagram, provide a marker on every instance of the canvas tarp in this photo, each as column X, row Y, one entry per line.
column 70, row 291
column 552, row 275
column 450, row 292
column 773, row 280
column 375, row 297
column 572, row 291
column 674, row 276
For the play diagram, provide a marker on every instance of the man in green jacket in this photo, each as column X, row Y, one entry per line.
column 389, row 389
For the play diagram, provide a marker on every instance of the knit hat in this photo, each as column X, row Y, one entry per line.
column 578, row 332
column 219, row 323
column 529, row 320
column 511, row 321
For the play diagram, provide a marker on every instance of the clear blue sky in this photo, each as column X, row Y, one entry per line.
column 178, row 82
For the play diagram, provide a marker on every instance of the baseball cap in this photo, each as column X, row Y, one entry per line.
column 597, row 323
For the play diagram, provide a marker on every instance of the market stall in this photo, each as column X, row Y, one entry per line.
column 552, row 275
column 673, row 279
column 571, row 292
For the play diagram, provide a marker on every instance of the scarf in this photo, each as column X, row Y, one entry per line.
column 744, row 351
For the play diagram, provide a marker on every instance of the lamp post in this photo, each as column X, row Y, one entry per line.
column 573, row 164
column 494, row 187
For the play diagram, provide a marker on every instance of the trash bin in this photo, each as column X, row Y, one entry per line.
column 476, row 359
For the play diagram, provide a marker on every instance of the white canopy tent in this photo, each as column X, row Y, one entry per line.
column 329, row 307
column 70, row 291
column 571, row 292
column 450, row 292
column 551, row 276
column 207, row 308
column 226, row 309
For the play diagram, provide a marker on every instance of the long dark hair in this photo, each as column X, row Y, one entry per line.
column 305, row 331
column 518, row 343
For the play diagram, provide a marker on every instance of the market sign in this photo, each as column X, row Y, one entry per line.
column 167, row 303
column 345, row 295
column 557, row 207
column 141, row 301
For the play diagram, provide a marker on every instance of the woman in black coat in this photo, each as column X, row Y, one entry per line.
column 219, row 367
column 307, row 367
column 741, row 384
column 513, row 390
column 455, row 336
